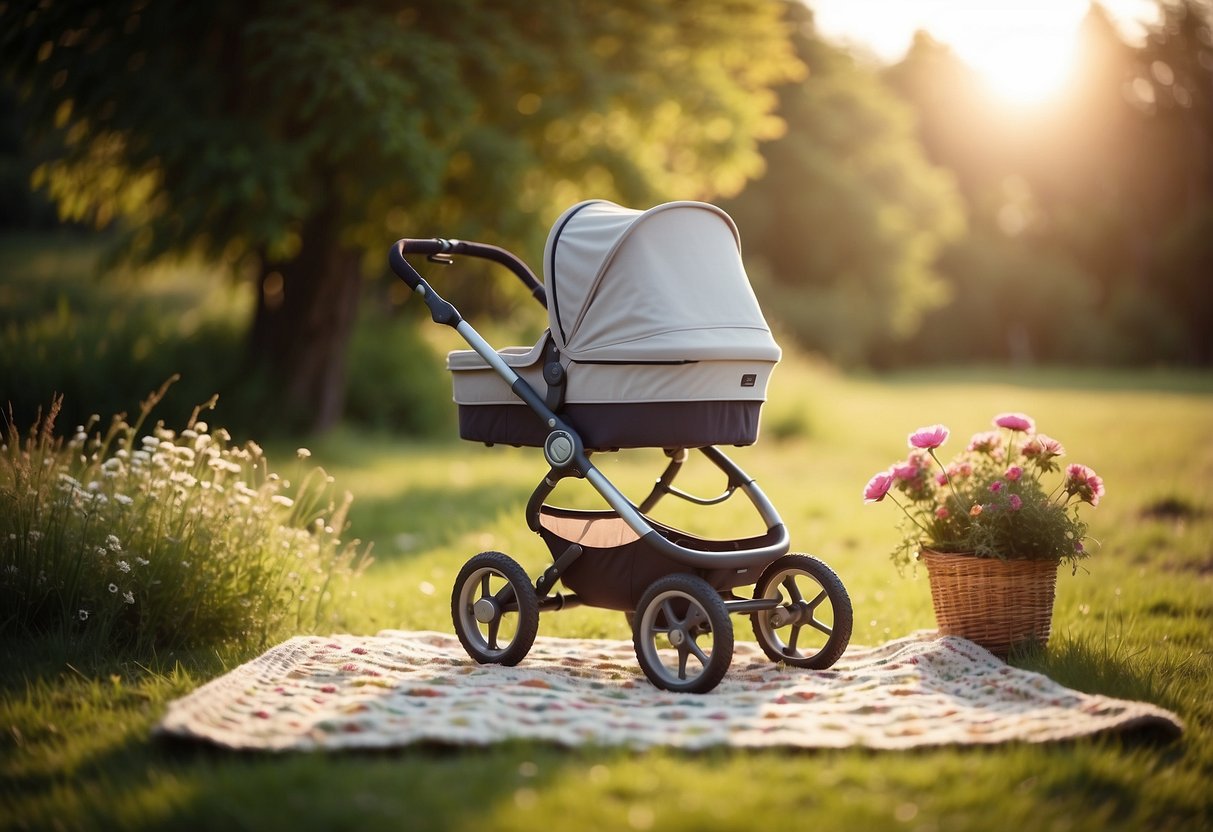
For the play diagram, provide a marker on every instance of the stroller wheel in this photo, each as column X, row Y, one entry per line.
column 683, row 635
column 811, row 627
column 495, row 609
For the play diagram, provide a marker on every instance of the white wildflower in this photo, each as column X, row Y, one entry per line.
column 123, row 499
column 121, row 453
column 128, row 597
column 101, row 551
column 302, row 453
column 149, row 442
column 142, row 561
column 124, row 567
column 83, row 614
column 201, row 427
column 188, row 434
column 113, row 587
column 35, row 535
column 285, row 502
column 94, row 486
column 112, row 541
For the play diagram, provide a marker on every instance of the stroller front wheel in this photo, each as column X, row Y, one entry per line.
column 675, row 614
column 495, row 609
column 811, row 627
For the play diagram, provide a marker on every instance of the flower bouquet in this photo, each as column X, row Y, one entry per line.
column 989, row 527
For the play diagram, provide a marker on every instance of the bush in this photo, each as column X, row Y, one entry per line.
column 164, row 539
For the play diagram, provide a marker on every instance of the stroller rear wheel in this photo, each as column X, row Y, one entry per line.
column 675, row 614
column 811, row 627
column 495, row 609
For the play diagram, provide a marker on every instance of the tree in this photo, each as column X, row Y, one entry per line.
column 845, row 226
column 297, row 138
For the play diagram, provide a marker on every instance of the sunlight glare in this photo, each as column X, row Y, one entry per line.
column 1029, row 69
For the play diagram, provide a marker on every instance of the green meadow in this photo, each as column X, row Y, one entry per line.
column 1135, row 621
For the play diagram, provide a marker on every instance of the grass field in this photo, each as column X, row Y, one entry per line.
column 1137, row 622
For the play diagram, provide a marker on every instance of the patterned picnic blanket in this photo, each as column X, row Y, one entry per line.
column 398, row 688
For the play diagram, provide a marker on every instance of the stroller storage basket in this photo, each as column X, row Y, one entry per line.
column 616, row 566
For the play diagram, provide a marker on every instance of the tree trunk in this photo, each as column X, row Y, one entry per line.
column 306, row 309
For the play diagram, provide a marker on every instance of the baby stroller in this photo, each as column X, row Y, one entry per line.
column 655, row 340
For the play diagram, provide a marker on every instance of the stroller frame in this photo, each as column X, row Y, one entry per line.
column 686, row 583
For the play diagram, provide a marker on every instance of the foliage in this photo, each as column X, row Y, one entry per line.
column 990, row 500
column 1090, row 204
column 297, row 137
column 844, row 229
column 163, row 539
column 100, row 344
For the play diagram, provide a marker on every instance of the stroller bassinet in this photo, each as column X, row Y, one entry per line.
column 660, row 339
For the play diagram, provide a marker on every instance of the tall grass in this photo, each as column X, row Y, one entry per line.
column 161, row 538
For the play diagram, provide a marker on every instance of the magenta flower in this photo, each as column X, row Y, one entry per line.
column 996, row 486
column 1015, row 421
column 878, row 487
column 1016, row 502
column 929, row 438
column 942, row 513
column 1085, row 483
column 1014, row 473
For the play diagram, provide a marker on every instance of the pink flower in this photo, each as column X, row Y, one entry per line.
column 1042, row 447
column 1084, row 482
column 942, row 513
column 1015, row 421
column 996, row 486
column 1016, row 503
column 1014, row 473
column 878, row 487
column 929, row 438
column 987, row 442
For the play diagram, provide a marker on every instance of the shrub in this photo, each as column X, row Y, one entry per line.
column 164, row 539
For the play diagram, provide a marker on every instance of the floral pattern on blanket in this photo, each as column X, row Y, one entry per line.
column 399, row 688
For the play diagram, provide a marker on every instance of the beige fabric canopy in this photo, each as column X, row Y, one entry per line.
column 666, row 284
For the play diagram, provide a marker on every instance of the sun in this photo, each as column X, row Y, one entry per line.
column 1025, row 69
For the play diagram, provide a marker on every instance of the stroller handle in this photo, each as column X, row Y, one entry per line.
column 439, row 250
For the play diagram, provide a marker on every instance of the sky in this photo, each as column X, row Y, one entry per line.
column 1024, row 48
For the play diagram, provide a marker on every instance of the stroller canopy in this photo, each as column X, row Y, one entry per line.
column 662, row 285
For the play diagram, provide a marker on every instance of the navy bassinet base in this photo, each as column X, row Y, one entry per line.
column 606, row 427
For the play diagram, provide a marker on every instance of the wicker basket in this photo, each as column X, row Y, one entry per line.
column 995, row 603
